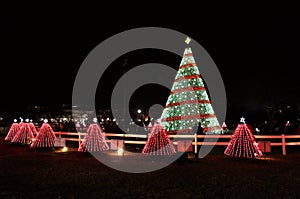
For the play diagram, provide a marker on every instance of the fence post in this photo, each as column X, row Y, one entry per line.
column 196, row 144
column 79, row 138
column 283, row 144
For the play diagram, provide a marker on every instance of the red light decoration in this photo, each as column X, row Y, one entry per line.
column 45, row 137
column 24, row 134
column 33, row 129
column 188, row 64
column 195, row 88
column 187, row 77
column 94, row 140
column 14, row 128
column 242, row 143
column 224, row 125
column 187, row 102
column 158, row 142
column 188, row 117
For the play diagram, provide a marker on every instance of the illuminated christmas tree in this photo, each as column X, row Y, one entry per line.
column 224, row 128
column 188, row 103
column 45, row 137
column 94, row 139
column 14, row 128
column 158, row 142
column 24, row 135
column 242, row 143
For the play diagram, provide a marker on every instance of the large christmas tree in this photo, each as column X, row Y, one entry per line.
column 158, row 142
column 242, row 143
column 188, row 103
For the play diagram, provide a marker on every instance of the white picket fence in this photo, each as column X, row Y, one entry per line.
column 282, row 139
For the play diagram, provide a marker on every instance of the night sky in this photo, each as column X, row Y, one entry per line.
column 257, row 55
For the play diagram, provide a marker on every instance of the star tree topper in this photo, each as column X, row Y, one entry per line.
column 187, row 40
column 95, row 120
column 242, row 120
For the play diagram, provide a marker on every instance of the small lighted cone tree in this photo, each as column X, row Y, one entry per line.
column 242, row 143
column 224, row 127
column 14, row 128
column 45, row 137
column 188, row 103
column 158, row 142
column 24, row 135
column 94, row 139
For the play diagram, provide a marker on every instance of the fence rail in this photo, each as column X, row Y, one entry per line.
column 283, row 142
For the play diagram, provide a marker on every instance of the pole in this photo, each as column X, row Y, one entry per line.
column 79, row 138
column 196, row 144
column 283, row 144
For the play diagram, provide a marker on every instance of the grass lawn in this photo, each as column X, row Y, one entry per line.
column 25, row 173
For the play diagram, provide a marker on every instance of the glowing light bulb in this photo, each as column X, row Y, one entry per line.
column 64, row 149
column 120, row 151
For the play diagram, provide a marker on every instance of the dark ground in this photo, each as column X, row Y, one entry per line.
column 25, row 173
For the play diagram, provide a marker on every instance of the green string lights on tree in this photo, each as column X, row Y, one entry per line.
column 188, row 103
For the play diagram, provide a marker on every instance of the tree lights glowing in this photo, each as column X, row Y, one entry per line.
column 24, row 134
column 188, row 103
column 45, row 137
column 94, row 139
column 242, row 143
column 32, row 127
column 14, row 128
column 158, row 142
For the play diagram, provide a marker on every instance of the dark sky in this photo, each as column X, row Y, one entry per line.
column 257, row 54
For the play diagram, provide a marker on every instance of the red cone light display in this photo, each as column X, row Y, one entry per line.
column 94, row 139
column 24, row 135
column 45, row 137
column 14, row 128
column 158, row 142
column 242, row 143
